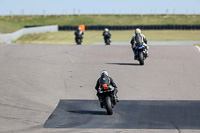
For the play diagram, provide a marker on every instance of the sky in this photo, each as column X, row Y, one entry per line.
column 65, row 7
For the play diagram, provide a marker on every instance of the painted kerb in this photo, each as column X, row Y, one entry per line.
column 9, row 37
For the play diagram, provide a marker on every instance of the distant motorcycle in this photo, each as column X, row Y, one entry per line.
column 107, row 39
column 78, row 36
column 141, row 53
column 79, row 39
column 108, row 98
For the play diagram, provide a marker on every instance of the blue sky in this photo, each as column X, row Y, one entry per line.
column 39, row 7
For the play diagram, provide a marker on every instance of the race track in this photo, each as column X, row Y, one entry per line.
column 37, row 80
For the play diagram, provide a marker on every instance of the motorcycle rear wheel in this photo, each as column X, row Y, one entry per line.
column 107, row 42
column 108, row 105
column 79, row 42
column 141, row 58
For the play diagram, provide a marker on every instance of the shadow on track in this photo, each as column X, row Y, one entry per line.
column 89, row 112
column 125, row 64
column 128, row 114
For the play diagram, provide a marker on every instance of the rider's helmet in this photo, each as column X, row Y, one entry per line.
column 106, row 29
column 79, row 28
column 137, row 31
column 104, row 72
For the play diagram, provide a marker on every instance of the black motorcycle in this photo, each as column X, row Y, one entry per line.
column 79, row 39
column 78, row 36
column 107, row 39
column 108, row 99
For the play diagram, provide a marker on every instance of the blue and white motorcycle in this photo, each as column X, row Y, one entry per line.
column 141, row 53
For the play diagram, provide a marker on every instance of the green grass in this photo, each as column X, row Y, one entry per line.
column 10, row 24
column 67, row 37
column 173, row 35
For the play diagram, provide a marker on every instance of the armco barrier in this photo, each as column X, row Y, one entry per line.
column 131, row 27
column 67, row 27
column 8, row 38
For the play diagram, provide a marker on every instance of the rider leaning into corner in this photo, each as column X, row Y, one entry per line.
column 138, row 36
column 105, row 79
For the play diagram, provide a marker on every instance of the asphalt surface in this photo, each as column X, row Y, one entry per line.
column 128, row 114
column 33, row 79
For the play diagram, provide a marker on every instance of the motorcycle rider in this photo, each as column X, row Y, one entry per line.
column 78, row 33
column 106, row 34
column 138, row 37
column 105, row 79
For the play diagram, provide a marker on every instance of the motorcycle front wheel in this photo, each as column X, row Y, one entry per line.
column 108, row 105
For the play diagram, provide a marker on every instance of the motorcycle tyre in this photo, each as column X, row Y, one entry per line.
column 79, row 42
column 107, row 41
column 108, row 105
column 141, row 58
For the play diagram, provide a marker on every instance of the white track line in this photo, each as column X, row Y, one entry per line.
column 198, row 48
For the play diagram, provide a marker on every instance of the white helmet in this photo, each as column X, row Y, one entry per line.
column 104, row 72
column 106, row 29
column 79, row 28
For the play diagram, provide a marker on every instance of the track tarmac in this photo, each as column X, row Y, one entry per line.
column 128, row 114
column 37, row 83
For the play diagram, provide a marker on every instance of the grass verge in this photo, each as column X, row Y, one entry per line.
column 90, row 37
column 12, row 23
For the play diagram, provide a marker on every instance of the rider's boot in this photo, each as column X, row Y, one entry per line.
column 147, row 47
column 135, row 58
column 115, row 95
column 147, row 53
column 101, row 102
